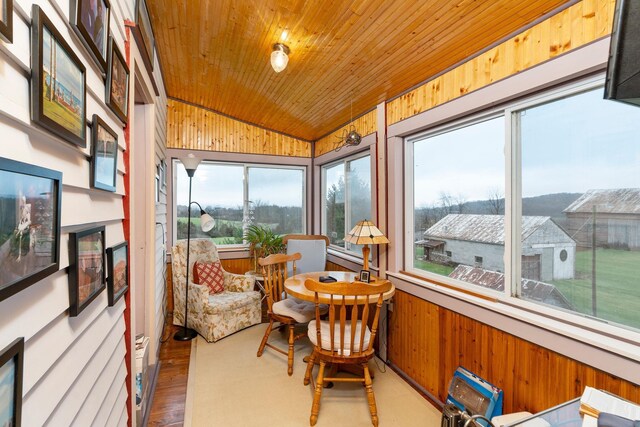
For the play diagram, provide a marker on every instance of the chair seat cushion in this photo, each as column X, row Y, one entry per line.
column 325, row 330
column 300, row 311
column 209, row 274
column 226, row 301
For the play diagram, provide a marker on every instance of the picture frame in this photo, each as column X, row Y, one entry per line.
column 365, row 276
column 117, row 87
column 90, row 19
column 11, row 373
column 144, row 34
column 118, row 278
column 104, row 155
column 6, row 20
column 30, row 211
column 86, row 267
column 59, row 104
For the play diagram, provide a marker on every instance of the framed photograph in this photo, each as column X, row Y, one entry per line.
column 117, row 97
column 90, row 18
column 58, row 82
column 144, row 33
column 118, row 279
column 86, row 268
column 365, row 275
column 30, row 198
column 11, row 367
column 104, row 155
column 6, row 20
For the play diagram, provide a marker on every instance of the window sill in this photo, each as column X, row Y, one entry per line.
column 606, row 347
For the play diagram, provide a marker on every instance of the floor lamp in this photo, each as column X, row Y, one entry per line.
column 206, row 223
column 365, row 233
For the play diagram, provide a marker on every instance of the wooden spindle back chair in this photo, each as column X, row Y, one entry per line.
column 345, row 337
column 284, row 310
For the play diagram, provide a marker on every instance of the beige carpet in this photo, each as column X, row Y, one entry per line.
column 229, row 386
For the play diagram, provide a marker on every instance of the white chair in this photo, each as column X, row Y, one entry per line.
column 312, row 247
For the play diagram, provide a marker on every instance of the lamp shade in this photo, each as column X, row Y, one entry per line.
column 279, row 57
column 190, row 163
column 206, row 221
column 365, row 233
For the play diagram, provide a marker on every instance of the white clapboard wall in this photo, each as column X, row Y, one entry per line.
column 74, row 368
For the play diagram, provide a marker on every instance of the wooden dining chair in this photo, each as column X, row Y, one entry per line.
column 286, row 311
column 345, row 337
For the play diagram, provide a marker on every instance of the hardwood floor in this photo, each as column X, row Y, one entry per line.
column 167, row 408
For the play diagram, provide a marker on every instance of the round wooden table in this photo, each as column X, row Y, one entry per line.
column 294, row 285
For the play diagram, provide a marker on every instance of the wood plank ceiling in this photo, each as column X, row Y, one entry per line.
column 346, row 56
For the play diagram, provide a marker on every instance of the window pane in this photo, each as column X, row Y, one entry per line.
column 359, row 195
column 581, row 206
column 458, row 199
column 334, row 204
column 219, row 190
column 347, row 199
column 276, row 197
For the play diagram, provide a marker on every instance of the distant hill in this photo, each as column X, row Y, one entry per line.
column 548, row 205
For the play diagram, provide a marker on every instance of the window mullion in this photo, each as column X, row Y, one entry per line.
column 347, row 202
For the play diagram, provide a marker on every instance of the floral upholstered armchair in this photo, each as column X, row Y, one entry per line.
column 213, row 316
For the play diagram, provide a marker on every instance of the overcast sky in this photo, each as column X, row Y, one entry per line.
column 573, row 145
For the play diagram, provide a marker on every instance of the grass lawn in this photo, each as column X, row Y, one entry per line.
column 443, row 270
column 617, row 285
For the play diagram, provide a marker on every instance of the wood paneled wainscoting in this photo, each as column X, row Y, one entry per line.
column 428, row 342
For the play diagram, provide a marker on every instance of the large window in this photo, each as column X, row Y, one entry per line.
column 554, row 222
column 237, row 195
column 346, row 198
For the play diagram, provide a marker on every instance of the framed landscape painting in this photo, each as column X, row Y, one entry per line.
column 11, row 361
column 117, row 97
column 91, row 21
column 6, row 21
column 86, row 268
column 118, row 280
column 104, row 155
column 30, row 201
column 58, row 82
column 144, row 33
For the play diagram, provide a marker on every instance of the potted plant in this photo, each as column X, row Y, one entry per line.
column 262, row 242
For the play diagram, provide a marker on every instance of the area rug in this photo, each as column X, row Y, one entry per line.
column 229, row 386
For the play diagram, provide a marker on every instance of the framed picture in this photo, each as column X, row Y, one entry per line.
column 86, row 268
column 104, row 155
column 58, row 82
column 163, row 174
column 144, row 33
column 365, row 275
column 6, row 20
column 117, row 96
column 29, row 225
column 90, row 18
column 118, row 280
column 11, row 367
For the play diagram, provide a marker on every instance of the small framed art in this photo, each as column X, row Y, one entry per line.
column 86, row 268
column 118, row 279
column 11, row 368
column 58, row 82
column 30, row 202
column 365, row 276
column 6, row 20
column 144, row 33
column 117, row 96
column 90, row 18
column 104, row 155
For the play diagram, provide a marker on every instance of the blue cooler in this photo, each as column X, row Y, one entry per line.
column 470, row 393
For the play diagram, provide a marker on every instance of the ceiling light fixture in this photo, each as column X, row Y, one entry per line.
column 279, row 57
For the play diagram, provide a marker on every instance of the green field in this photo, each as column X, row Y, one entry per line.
column 68, row 119
column 617, row 284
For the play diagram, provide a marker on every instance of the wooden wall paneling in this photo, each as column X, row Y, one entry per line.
column 365, row 125
column 573, row 27
column 428, row 343
column 331, row 266
column 195, row 128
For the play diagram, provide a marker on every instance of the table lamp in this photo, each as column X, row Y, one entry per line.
column 206, row 223
column 365, row 233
